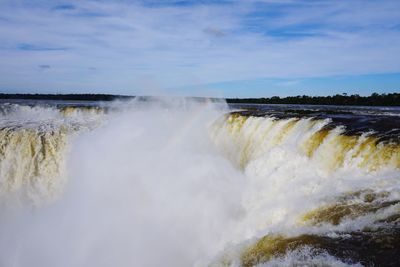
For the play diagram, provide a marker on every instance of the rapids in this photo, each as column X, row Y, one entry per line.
column 179, row 182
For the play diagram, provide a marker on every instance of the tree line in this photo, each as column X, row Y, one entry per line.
column 72, row 97
column 374, row 99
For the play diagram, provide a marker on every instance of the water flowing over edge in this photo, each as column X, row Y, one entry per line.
column 286, row 191
column 321, row 188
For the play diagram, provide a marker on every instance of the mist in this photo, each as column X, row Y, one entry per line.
column 179, row 182
column 147, row 188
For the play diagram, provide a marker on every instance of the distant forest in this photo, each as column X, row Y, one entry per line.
column 74, row 97
column 374, row 99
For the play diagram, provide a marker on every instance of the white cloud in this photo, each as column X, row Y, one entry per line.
column 126, row 47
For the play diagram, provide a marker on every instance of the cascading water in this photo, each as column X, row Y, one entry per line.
column 33, row 145
column 312, row 189
column 185, row 183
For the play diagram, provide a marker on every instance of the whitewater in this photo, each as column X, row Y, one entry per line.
column 183, row 182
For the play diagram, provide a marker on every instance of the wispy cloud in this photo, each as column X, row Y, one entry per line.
column 64, row 7
column 44, row 67
column 214, row 32
column 33, row 47
column 168, row 44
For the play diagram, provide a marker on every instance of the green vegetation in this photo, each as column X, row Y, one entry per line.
column 73, row 97
column 374, row 99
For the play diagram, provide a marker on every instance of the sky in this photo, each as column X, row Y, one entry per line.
column 227, row 48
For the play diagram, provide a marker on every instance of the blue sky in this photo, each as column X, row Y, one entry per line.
column 231, row 48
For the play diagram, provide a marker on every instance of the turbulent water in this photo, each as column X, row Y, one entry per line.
column 177, row 182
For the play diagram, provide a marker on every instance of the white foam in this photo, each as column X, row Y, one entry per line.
column 148, row 187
